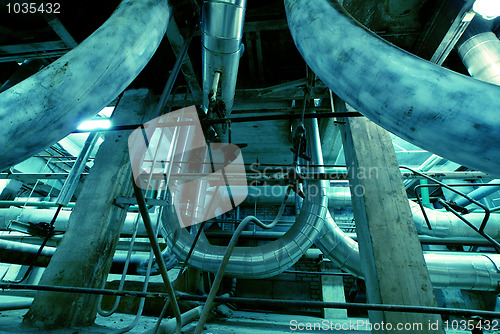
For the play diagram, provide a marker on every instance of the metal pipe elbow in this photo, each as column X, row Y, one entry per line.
column 254, row 262
column 434, row 108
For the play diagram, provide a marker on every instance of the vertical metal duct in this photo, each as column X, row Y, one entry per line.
column 49, row 105
column 222, row 31
column 479, row 49
column 447, row 113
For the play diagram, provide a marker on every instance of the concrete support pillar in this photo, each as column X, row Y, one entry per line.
column 333, row 291
column 84, row 257
column 391, row 255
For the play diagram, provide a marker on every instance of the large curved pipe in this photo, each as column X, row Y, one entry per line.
column 467, row 271
column 263, row 261
column 439, row 110
column 48, row 106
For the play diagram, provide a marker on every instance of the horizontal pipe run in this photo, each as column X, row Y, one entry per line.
column 445, row 224
column 334, row 175
column 67, row 289
column 15, row 303
column 242, row 119
column 24, row 254
column 424, row 239
column 320, row 273
column 123, row 243
column 36, row 216
column 257, row 302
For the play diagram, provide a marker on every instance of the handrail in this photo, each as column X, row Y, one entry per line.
column 495, row 244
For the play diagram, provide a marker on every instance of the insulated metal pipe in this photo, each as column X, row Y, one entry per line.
column 479, row 193
column 479, row 49
column 449, row 114
column 15, row 303
column 222, row 31
column 49, row 105
column 447, row 225
column 467, row 271
column 35, row 216
column 23, row 253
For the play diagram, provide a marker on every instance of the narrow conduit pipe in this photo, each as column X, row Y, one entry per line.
column 447, row 113
column 46, row 107
column 262, row 261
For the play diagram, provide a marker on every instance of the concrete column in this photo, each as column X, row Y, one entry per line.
column 391, row 255
column 333, row 291
column 84, row 257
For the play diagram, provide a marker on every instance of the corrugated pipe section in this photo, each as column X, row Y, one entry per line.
column 49, row 105
column 263, row 261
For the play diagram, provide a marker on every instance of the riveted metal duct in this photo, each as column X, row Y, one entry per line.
column 439, row 110
column 49, row 105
